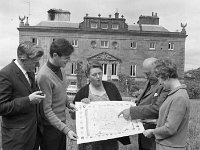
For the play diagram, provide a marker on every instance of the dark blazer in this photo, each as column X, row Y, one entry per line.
column 19, row 120
column 148, row 104
column 113, row 95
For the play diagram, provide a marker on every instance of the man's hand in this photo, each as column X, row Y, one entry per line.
column 85, row 100
column 148, row 133
column 125, row 113
column 36, row 97
column 72, row 107
column 72, row 135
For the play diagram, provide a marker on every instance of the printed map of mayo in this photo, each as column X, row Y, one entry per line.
column 99, row 121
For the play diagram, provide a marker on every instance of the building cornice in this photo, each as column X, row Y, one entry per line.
column 101, row 32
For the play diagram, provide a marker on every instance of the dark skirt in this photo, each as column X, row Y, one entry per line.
column 100, row 145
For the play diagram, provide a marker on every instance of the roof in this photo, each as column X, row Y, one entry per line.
column 58, row 24
column 146, row 27
column 58, row 11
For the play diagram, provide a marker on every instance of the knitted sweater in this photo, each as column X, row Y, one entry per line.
column 54, row 104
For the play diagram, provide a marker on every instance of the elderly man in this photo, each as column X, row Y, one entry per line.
column 147, row 104
column 19, row 97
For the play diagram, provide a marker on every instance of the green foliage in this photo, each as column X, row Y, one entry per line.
column 128, row 85
column 192, row 80
column 193, row 88
column 81, row 77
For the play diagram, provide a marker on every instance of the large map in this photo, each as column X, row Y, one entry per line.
column 99, row 121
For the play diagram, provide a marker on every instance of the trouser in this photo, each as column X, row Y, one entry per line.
column 38, row 139
column 53, row 139
column 147, row 143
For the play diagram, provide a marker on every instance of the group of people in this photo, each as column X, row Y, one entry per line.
column 33, row 110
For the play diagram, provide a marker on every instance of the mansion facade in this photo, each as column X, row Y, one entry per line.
column 120, row 47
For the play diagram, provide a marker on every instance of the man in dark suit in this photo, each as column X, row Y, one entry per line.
column 19, row 97
column 147, row 104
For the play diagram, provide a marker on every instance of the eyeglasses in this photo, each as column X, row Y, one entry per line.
column 99, row 74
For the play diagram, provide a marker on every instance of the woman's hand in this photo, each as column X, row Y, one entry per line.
column 148, row 133
column 86, row 100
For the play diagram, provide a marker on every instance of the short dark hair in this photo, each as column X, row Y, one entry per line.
column 62, row 47
column 29, row 50
column 165, row 68
column 93, row 64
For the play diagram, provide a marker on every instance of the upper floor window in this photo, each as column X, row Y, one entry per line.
column 133, row 45
column 93, row 25
column 75, row 43
column 104, row 44
column 104, row 66
column 115, row 26
column 171, row 46
column 34, row 40
column 152, row 45
column 133, row 71
column 104, row 26
column 74, row 68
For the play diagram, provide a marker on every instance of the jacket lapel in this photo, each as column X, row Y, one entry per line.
column 152, row 89
column 143, row 92
column 21, row 76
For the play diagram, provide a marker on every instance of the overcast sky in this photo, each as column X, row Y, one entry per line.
column 170, row 12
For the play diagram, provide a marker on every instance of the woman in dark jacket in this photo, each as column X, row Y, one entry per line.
column 98, row 90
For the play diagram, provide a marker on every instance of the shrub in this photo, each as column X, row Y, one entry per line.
column 193, row 88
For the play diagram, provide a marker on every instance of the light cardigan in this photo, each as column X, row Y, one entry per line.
column 55, row 103
column 172, row 125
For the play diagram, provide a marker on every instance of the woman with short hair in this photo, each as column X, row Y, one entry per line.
column 98, row 90
column 172, row 124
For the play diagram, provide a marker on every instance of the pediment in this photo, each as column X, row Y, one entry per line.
column 104, row 56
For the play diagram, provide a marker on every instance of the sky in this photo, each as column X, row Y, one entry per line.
column 171, row 13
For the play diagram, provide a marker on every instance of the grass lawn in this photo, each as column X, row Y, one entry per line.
column 193, row 133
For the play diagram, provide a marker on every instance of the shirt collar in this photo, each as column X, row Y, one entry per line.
column 183, row 86
column 20, row 67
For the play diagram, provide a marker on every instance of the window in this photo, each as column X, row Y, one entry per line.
column 104, row 26
column 152, row 45
column 133, row 71
column 104, row 44
column 75, row 43
column 93, row 25
column 114, row 69
column 171, row 46
column 73, row 68
column 34, row 40
column 115, row 26
column 104, row 69
column 133, row 45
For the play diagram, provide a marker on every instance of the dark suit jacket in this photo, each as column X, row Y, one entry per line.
column 113, row 95
column 148, row 104
column 19, row 120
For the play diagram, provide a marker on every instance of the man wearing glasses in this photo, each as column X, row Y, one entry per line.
column 51, row 80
